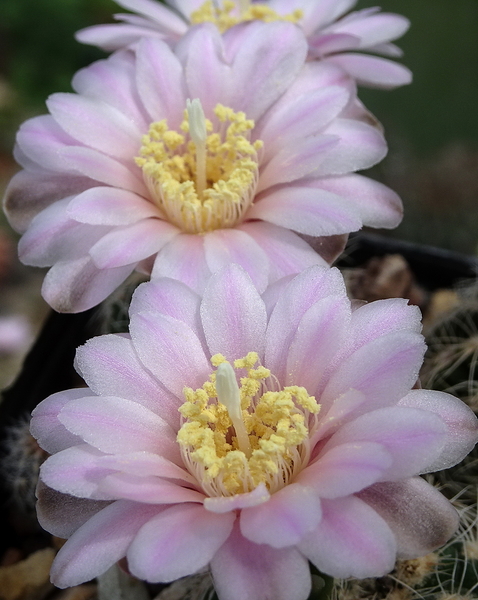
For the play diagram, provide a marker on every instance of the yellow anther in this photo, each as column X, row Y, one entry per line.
column 232, row 14
column 236, row 437
column 201, row 180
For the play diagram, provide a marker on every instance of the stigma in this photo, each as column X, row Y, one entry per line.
column 240, row 429
column 202, row 178
column 228, row 13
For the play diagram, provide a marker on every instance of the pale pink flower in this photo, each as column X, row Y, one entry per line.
column 334, row 34
column 306, row 444
column 95, row 204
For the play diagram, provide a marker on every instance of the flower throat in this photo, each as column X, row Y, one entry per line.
column 201, row 179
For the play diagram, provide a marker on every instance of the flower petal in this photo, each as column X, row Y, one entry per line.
column 243, row 570
column 110, row 206
column 352, row 540
column 171, row 262
column 420, row 517
column 132, row 243
column 77, row 285
column 285, row 519
column 346, row 469
column 233, row 315
column 178, row 542
column 100, row 542
column 373, row 71
column 45, row 427
column 170, row 350
column 110, row 367
column 225, row 246
column 460, row 420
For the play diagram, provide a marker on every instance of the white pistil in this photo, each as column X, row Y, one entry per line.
column 198, row 133
column 228, row 395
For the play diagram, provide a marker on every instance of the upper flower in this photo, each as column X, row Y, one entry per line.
column 334, row 34
column 252, row 435
column 181, row 162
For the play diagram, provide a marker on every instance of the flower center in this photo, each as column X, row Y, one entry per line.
column 202, row 179
column 231, row 13
column 235, row 437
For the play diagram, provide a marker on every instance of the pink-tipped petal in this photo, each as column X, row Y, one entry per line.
column 110, row 206
column 461, row 424
column 132, row 243
column 178, row 542
column 243, row 570
column 289, row 515
column 352, row 540
column 100, row 542
column 346, row 469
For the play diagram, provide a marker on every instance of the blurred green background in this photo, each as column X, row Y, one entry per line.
column 431, row 125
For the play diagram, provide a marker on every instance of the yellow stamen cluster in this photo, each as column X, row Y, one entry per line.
column 227, row 16
column 169, row 163
column 277, row 423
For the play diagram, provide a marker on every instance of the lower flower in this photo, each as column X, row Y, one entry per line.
column 250, row 435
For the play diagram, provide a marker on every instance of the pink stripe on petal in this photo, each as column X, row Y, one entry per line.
column 289, row 515
column 168, row 297
column 183, row 258
column 233, row 315
column 28, row 193
column 320, row 334
column 117, row 425
column 295, row 161
column 96, row 124
column 346, row 469
column 307, row 210
column 132, row 243
column 100, row 542
column 170, row 350
column 208, row 76
column 413, row 438
column 255, row 90
column 378, row 205
column 146, row 490
column 303, row 291
column 74, row 471
column 352, row 540
column 288, row 254
column 178, row 542
column 111, row 367
column 225, row 246
column 110, row 206
column 160, row 82
column 243, row 570
column 384, row 370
